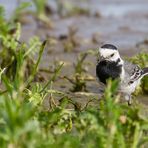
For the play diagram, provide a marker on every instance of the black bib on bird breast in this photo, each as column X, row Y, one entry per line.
column 108, row 69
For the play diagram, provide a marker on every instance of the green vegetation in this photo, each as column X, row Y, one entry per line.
column 79, row 83
column 20, row 11
column 25, row 122
column 67, row 9
column 41, row 9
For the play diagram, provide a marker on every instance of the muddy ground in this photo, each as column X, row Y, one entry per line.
column 123, row 23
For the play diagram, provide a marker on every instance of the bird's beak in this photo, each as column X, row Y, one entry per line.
column 101, row 58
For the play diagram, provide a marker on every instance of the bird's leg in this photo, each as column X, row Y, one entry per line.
column 128, row 99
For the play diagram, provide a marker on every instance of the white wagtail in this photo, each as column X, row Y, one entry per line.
column 111, row 65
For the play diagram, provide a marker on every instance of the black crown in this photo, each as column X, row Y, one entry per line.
column 109, row 46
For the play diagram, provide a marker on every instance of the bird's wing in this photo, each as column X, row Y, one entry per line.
column 134, row 72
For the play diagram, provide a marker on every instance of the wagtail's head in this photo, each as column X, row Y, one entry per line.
column 109, row 52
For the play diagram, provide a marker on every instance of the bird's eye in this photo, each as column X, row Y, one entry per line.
column 112, row 55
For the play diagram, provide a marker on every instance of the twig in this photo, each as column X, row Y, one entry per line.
column 37, row 63
column 87, row 104
column 53, row 77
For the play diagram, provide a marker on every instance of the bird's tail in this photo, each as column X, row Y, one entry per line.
column 145, row 71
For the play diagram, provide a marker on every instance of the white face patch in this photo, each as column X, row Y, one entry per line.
column 109, row 54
